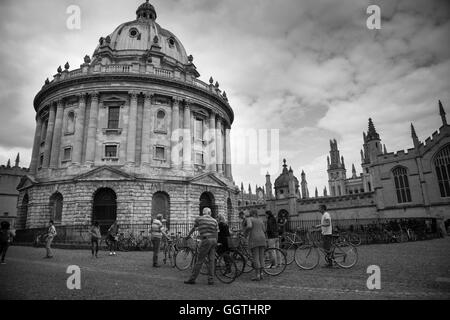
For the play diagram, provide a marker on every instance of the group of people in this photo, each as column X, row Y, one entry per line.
column 213, row 233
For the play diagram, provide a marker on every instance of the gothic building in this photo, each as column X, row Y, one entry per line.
column 132, row 133
column 9, row 179
column 415, row 183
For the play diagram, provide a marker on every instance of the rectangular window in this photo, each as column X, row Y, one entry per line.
column 199, row 158
column 111, row 151
column 198, row 127
column 67, row 155
column 113, row 117
column 41, row 160
column 160, row 153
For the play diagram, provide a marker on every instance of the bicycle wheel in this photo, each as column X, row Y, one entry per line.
column 274, row 261
column 241, row 262
column 307, row 257
column 183, row 259
column 225, row 269
column 345, row 255
column 289, row 251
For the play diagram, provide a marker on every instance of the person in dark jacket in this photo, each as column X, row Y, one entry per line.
column 6, row 236
column 222, row 239
column 273, row 240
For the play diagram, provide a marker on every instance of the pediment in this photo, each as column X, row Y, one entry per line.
column 25, row 182
column 104, row 173
column 209, row 179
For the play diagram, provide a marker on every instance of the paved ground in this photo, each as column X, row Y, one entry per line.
column 416, row 270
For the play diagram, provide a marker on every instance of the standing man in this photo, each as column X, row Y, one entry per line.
column 157, row 233
column 208, row 228
column 51, row 234
column 272, row 237
column 95, row 237
column 327, row 231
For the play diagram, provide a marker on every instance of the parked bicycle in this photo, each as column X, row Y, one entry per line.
column 225, row 269
column 307, row 256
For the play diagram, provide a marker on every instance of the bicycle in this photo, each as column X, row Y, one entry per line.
column 143, row 243
column 225, row 269
column 170, row 250
column 271, row 255
column 290, row 243
column 307, row 257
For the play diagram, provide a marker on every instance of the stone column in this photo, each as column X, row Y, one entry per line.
column 131, row 136
column 57, row 133
column 36, row 146
column 79, row 130
column 92, row 129
column 212, row 142
column 146, row 128
column 227, row 153
column 187, row 145
column 219, row 143
column 49, row 135
column 175, row 138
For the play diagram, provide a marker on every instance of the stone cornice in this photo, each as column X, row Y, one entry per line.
column 139, row 78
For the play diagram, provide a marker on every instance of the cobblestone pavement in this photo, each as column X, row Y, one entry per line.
column 416, row 270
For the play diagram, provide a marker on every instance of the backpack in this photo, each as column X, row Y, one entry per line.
column 4, row 236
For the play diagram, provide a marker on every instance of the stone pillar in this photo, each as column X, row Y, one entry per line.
column 49, row 135
column 146, row 128
column 131, row 136
column 79, row 130
column 187, row 145
column 228, row 173
column 175, row 138
column 219, row 143
column 212, row 142
column 57, row 133
column 36, row 146
column 92, row 129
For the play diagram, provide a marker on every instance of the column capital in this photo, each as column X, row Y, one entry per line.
column 94, row 95
column 133, row 94
column 148, row 95
column 81, row 96
column 176, row 100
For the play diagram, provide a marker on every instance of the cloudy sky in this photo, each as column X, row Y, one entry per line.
column 310, row 68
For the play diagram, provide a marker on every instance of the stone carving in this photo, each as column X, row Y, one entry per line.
column 67, row 66
column 47, row 81
column 155, row 40
column 59, row 69
column 211, row 80
column 190, row 58
column 87, row 59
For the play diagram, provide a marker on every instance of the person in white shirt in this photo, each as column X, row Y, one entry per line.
column 157, row 229
column 51, row 234
column 327, row 233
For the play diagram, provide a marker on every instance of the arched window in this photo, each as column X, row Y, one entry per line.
column 160, row 125
column 442, row 166
column 402, row 185
column 70, row 126
column 161, row 205
column 56, row 206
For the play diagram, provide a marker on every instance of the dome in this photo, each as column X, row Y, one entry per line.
column 141, row 37
column 283, row 179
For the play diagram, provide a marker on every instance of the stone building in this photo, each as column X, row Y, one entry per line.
column 9, row 179
column 132, row 133
column 411, row 184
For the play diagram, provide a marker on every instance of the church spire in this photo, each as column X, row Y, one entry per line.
column 17, row 159
column 442, row 113
column 353, row 171
column 414, row 136
column 372, row 133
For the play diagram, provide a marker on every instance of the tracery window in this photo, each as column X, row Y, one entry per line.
column 402, row 185
column 442, row 166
